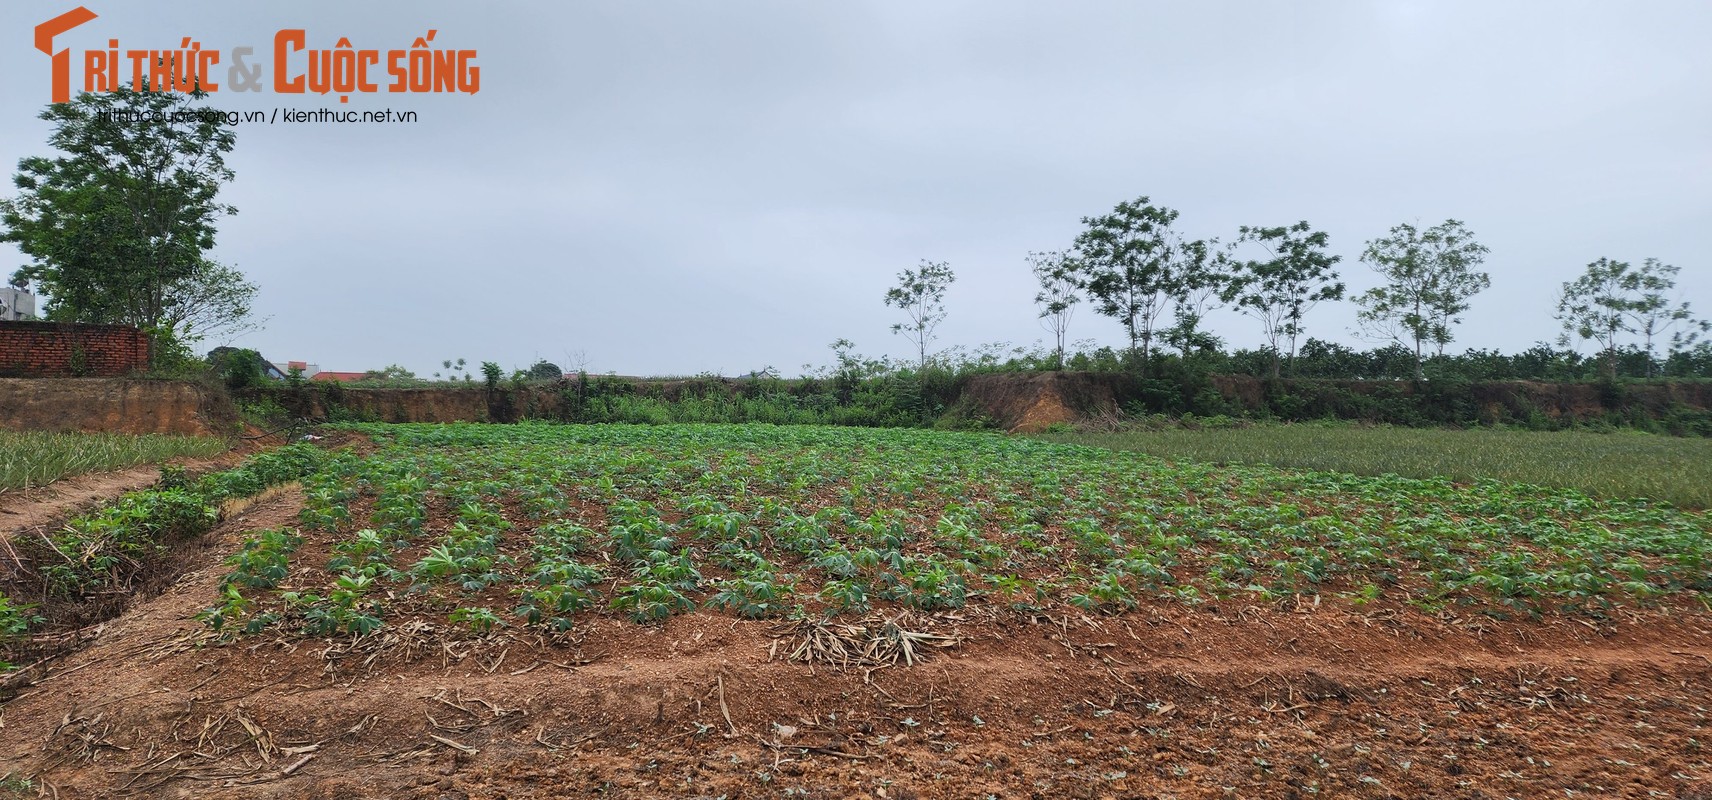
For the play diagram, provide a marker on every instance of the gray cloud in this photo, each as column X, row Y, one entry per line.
column 674, row 187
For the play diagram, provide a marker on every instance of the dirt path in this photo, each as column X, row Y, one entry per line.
column 1170, row 701
column 46, row 506
column 39, row 506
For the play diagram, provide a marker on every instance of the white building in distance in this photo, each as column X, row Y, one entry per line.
column 16, row 304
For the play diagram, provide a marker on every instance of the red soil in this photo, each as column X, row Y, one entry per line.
column 1216, row 701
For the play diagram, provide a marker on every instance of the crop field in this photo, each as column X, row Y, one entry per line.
column 543, row 610
column 484, row 526
column 38, row 458
column 1623, row 464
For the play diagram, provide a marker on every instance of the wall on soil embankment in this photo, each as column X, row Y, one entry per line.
column 114, row 405
column 70, row 350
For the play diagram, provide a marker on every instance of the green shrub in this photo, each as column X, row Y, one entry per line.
column 238, row 368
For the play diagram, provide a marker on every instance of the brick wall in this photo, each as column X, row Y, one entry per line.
column 66, row 349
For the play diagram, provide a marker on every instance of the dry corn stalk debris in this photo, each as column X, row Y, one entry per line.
column 872, row 642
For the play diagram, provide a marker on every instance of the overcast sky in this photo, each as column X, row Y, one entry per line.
column 680, row 187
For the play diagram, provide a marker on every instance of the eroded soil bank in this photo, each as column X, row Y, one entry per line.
column 115, row 405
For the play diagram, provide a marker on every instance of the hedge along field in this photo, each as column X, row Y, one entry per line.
column 1623, row 464
column 38, row 458
column 477, row 527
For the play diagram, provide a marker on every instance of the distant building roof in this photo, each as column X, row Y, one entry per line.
column 309, row 370
column 342, row 377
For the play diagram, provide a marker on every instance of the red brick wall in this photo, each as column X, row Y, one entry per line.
column 66, row 349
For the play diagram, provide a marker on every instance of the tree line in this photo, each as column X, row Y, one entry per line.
column 119, row 228
column 1134, row 266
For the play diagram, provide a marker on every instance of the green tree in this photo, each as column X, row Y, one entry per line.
column 1056, row 273
column 391, row 372
column 1595, row 306
column 1130, row 264
column 1203, row 274
column 544, row 370
column 1280, row 290
column 455, row 370
column 920, row 294
column 1611, row 298
column 1654, row 313
column 239, row 368
column 212, row 300
column 1430, row 276
column 118, row 227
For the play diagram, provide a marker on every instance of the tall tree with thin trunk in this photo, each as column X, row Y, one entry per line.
column 1280, row 289
column 1204, row 271
column 1655, row 313
column 1597, row 306
column 1130, row 262
column 920, row 294
column 1611, row 298
column 1056, row 273
column 1429, row 277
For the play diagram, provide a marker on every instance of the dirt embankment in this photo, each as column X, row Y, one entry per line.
column 1586, row 400
column 453, row 404
column 1029, row 403
column 1018, row 402
column 1492, row 400
column 114, row 405
column 508, row 403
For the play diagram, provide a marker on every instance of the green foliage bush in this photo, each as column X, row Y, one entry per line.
column 238, row 368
